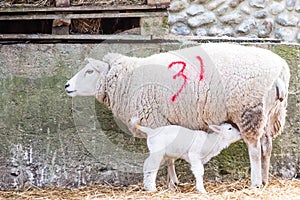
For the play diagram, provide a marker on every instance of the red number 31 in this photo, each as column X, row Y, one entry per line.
column 185, row 78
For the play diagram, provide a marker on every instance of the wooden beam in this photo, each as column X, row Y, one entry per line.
column 79, row 9
column 130, row 38
column 183, row 39
column 62, row 3
column 61, row 26
column 72, row 37
column 82, row 16
column 158, row 2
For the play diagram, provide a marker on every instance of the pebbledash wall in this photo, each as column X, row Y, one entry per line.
column 236, row 18
column 49, row 139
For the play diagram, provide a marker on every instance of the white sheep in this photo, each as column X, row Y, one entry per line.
column 195, row 146
column 194, row 87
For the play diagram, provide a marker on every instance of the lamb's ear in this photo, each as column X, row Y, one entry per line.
column 111, row 57
column 215, row 128
column 90, row 60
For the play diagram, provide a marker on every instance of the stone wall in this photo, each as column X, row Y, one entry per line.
column 49, row 139
column 236, row 18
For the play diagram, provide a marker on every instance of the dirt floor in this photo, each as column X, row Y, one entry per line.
column 277, row 189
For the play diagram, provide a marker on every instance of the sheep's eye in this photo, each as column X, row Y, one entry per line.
column 89, row 71
column 229, row 128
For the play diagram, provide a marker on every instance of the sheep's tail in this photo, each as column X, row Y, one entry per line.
column 135, row 122
column 280, row 89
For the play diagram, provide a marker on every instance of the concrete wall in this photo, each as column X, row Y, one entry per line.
column 50, row 139
column 236, row 18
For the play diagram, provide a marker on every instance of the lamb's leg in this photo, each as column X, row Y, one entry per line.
column 172, row 177
column 151, row 166
column 266, row 149
column 198, row 171
column 254, row 149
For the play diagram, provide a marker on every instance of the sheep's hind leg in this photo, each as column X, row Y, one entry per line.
column 254, row 149
column 172, row 177
column 151, row 166
column 266, row 149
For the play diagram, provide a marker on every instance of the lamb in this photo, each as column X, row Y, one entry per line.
column 193, row 87
column 196, row 147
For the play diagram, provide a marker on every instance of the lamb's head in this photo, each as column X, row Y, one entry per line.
column 228, row 133
column 89, row 81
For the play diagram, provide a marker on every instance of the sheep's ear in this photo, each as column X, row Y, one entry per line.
column 111, row 57
column 215, row 128
column 100, row 66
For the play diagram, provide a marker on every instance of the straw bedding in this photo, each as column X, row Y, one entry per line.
column 277, row 189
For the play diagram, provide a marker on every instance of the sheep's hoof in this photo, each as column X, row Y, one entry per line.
column 265, row 183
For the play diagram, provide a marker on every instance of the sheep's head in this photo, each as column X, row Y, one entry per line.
column 88, row 81
column 228, row 132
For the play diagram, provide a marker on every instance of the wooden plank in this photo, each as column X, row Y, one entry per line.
column 62, row 3
column 72, row 37
column 158, row 2
column 82, row 16
column 61, row 26
column 79, row 9
column 131, row 38
column 187, row 39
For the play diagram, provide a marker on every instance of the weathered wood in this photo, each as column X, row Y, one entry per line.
column 82, row 16
column 72, row 37
column 62, row 3
column 62, row 29
column 61, row 26
column 79, row 8
column 158, row 2
column 132, row 38
column 188, row 39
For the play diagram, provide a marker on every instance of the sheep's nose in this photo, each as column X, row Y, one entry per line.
column 67, row 85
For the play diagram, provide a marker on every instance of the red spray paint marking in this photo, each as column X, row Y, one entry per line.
column 201, row 76
column 180, row 73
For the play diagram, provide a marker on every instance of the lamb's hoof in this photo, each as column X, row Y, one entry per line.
column 255, row 185
column 150, row 189
column 202, row 191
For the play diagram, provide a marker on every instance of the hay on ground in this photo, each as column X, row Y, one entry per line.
column 277, row 189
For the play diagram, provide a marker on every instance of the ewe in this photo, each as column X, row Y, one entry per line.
column 193, row 87
column 196, row 147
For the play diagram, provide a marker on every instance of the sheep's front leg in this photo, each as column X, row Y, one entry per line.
column 172, row 177
column 254, row 149
column 198, row 171
column 151, row 166
column 266, row 149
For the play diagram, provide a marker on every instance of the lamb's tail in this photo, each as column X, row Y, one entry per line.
column 135, row 122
